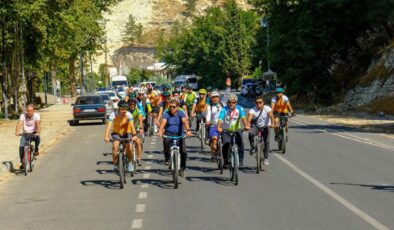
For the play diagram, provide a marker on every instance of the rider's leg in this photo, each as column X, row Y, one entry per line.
column 183, row 154
column 276, row 128
column 129, row 152
column 240, row 143
column 251, row 136
column 115, row 148
column 198, row 120
column 214, row 145
column 166, row 149
column 37, row 141
column 226, row 140
column 138, row 146
column 266, row 138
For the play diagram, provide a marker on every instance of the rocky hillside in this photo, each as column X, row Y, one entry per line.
column 156, row 16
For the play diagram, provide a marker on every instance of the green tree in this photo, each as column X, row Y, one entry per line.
column 132, row 32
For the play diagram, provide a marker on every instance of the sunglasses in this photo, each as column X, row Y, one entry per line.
column 172, row 107
column 232, row 102
column 259, row 102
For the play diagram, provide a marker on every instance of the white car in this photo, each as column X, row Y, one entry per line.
column 121, row 92
column 114, row 98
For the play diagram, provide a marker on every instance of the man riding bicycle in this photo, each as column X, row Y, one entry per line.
column 230, row 122
column 213, row 112
column 122, row 125
column 143, row 104
column 190, row 99
column 155, row 100
column 261, row 118
column 139, row 127
column 31, row 123
column 281, row 106
column 173, row 124
column 200, row 107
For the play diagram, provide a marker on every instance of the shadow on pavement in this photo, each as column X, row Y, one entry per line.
column 203, row 169
column 389, row 188
column 202, row 159
column 71, row 123
column 155, row 161
column 249, row 170
column 165, row 184
column 161, row 172
column 153, row 152
column 107, row 154
column 218, row 180
column 104, row 163
column 105, row 171
column 109, row 184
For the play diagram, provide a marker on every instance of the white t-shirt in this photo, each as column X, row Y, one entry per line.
column 213, row 113
column 264, row 119
column 29, row 125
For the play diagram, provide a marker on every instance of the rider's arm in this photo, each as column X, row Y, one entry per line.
column 107, row 131
column 244, row 120
column 148, row 105
column 289, row 107
column 208, row 114
column 18, row 127
column 38, row 126
column 250, row 116
column 272, row 118
column 141, row 121
column 162, row 125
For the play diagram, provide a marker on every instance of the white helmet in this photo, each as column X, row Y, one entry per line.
column 215, row 94
column 232, row 97
column 141, row 91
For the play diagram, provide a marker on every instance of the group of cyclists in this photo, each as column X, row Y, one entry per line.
column 172, row 113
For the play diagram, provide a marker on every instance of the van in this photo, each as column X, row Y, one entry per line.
column 191, row 80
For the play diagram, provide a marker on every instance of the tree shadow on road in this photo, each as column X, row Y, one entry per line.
column 165, row 184
column 249, row 170
column 389, row 188
column 203, row 159
column 203, row 169
column 217, row 180
column 109, row 184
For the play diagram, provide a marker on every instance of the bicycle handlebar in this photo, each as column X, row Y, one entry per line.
column 174, row 137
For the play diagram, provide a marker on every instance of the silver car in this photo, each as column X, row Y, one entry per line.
column 109, row 105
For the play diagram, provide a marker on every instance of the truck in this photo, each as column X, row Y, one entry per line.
column 119, row 81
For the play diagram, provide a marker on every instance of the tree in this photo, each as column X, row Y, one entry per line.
column 132, row 32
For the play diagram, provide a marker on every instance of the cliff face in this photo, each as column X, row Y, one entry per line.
column 157, row 17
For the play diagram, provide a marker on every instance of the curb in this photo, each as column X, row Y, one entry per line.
column 10, row 166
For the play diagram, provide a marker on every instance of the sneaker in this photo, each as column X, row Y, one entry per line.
column 241, row 164
column 181, row 173
column 37, row 153
column 139, row 163
column 130, row 167
column 266, row 162
column 167, row 162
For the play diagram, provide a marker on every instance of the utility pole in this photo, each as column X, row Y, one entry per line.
column 91, row 72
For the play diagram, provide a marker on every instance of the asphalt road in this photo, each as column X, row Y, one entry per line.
column 329, row 179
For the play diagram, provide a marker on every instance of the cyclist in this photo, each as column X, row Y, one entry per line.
column 122, row 125
column 173, row 124
column 213, row 112
column 139, row 127
column 200, row 107
column 183, row 92
column 260, row 119
column 155, row 100
column 130, row 94
column 281, row 106
column 230, row 122
column 143, row 104
column 31, row 123
column 164, row 105
column 182, row 105
column 190, row 99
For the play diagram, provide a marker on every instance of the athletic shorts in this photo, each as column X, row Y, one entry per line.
column 116, row 136
column 213, row 131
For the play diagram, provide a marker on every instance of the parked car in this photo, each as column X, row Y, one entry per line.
column 114, row 97
column 109, row 105
column 89, row 108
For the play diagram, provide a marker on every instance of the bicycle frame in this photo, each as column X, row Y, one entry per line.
column 27, row 158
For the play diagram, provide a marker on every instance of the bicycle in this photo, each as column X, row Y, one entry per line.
column 201, row 130
column 175, row 157
column 282, row 134
column 259, row 147
column 219, row 154
column 27, row 158
column 150, row 124
column 233, row 159
column 122, row 160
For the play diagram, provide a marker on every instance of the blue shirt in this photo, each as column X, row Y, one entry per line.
column 231, row 120
column 174, row 124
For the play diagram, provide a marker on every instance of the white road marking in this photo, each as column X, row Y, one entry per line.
column 334, row 195
column 140, row 208
column 146, row 176
column 145, row 186
column 150, row 156
column 349, row 136
column 143, row 195
column 148, row 167
column 137, row 224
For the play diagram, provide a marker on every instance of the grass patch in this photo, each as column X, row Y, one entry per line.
column 381, row 104
column 377, row 72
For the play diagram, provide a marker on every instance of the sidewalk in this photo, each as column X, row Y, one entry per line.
column 54, row 126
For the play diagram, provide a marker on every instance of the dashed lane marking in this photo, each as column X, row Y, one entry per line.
column 145, row 186
column 140, row 208
column 146, row 176
column 376, row 224
column 137, row 224
column 148, row 167
column 150, row 156
column 142, row 195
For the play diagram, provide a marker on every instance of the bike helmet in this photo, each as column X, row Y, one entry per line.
column 202, row 91
column 123, row 104
column 132, row 101
column 166, row 93
column 215, row 94
column 149, row 86
column 232, row 97
column 279, row 90
column 141, row 91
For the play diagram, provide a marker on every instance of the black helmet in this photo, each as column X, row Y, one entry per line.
column 123, row 104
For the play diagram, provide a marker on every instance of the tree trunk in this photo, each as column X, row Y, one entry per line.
column 23, row 89
column 73, row 81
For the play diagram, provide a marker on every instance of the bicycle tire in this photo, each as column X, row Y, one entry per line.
column 236, row 164
column 134, row 159
column 175, row 169
column 25, row 160
column 121, row 169
column 31, row 159
column 283, row 147
column 230, row 164
column 220, row 160
column 202, row 136
column 258, row 157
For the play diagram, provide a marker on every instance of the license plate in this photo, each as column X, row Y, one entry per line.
column 89, row 110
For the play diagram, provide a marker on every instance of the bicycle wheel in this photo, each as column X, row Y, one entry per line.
column 202, row 135
column 31, row 159
column 175, row 168
column 283, row 146
column 280, row 138
column 25, row 160
column 134, row 159
column 220, row 157
column 230, row 165
column 258, row 157
column 121, row 170
column 236, row 164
